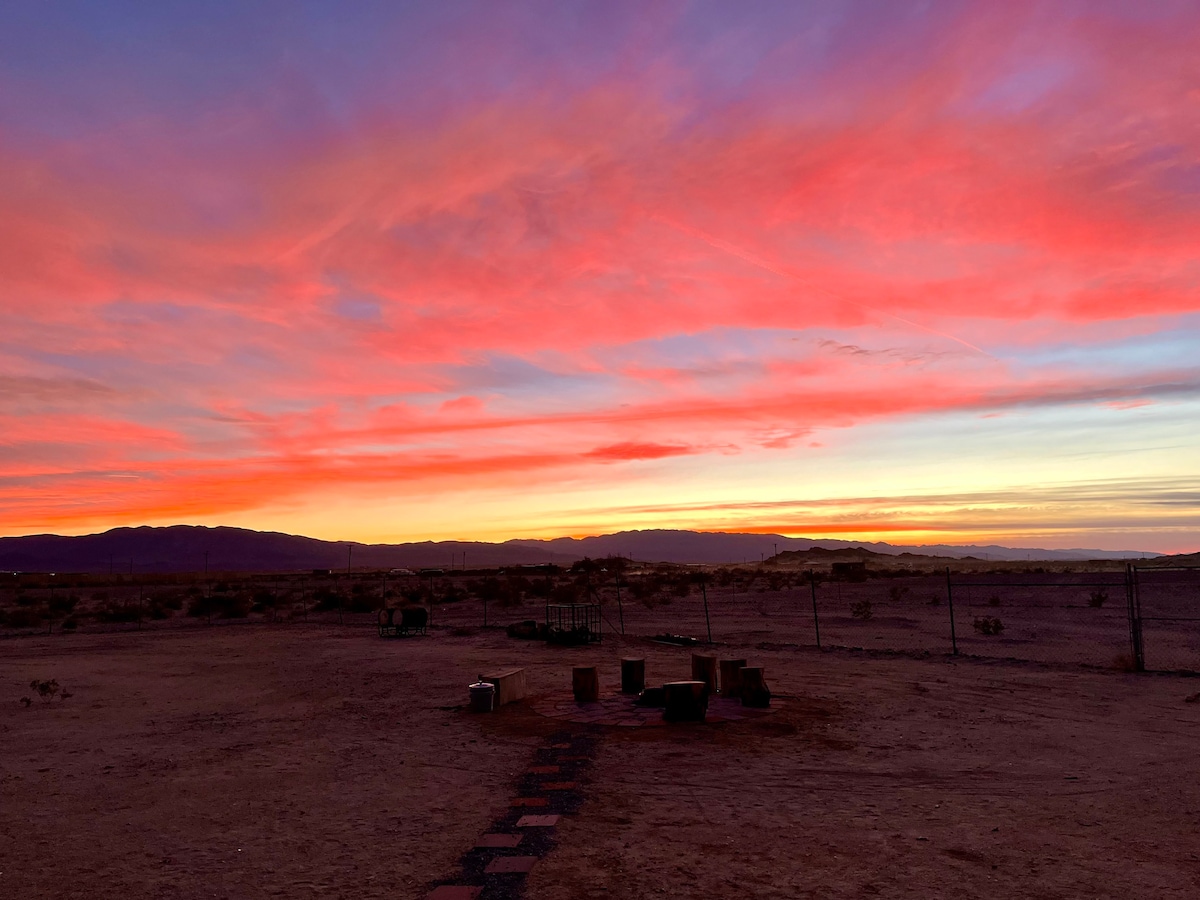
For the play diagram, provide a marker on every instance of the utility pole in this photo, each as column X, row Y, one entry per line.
column 349, row 553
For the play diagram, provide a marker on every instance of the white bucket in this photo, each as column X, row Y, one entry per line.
column 483, row 696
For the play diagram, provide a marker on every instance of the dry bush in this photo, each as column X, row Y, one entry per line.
column 1124, row 662
column 988, row 625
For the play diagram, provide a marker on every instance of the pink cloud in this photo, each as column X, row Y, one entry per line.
column 319, row 329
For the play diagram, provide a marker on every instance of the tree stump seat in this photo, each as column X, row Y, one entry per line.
column 686, row 701
column 704, row 668
column 633, row 675
column 731, row 678
column 755, row 693
column 585, row 684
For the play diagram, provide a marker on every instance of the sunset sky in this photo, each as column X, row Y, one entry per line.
column 916, row 272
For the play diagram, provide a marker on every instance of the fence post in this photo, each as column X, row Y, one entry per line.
column 950, row 599
column 620, row 608
column 707, row 620
column 812, row 583
column 1135, row 618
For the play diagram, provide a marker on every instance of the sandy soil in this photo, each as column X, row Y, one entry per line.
column 295, row 761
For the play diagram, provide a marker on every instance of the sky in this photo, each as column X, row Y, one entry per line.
column 909, row 271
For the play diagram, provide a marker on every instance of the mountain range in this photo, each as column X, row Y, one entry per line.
column 194, row 548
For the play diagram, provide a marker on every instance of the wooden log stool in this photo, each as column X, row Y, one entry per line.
column 586, row 684
column 686, row 701
column 633, row 675
column 755, row 692
column 731, row 678
column 704, row 668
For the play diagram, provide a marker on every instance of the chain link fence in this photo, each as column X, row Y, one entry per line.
column 1135, row 617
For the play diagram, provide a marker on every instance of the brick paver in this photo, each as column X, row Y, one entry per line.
column 548, row 821
column 509, row 865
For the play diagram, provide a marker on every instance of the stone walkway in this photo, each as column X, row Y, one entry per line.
column 495, row 868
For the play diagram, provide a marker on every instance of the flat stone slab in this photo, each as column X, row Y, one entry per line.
column 618, row 710
column 544, row 770
column 454, row 892
column 559, row 785
column 531, row 801
column 507, row 841
column 511, row 865
column 548, row 821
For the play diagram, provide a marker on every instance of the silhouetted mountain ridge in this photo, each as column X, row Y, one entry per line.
column 184, row 548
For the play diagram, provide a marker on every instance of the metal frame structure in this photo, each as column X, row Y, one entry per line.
column 573, row 623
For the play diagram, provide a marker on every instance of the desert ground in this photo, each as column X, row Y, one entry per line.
column 315, row 759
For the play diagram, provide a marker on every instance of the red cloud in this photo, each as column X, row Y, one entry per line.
column 903, row 220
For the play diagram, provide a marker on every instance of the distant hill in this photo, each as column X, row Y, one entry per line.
column 183, row 548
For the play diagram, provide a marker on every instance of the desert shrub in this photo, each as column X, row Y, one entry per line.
column 48, row 690
column 69, row 624
column 114, row 612
column 682, row 586
column 417, row 595
column 223, row 606
column 506, row 594
column 263, row 600
column 361, row 602
column 861, row 609
column 896, row 592
column 541, row 588
column 62, row 604
column 1124, row 662
column 988, row 625
column 565, row 592
column 935, row 600
column 200, row 606
column 22, row 617
column 234, row 606
column 993, row 600
column 100, row 596
column 24, row 599
column 776, row 581
column 1097, row 599
column 452, row 593
column 326, row 598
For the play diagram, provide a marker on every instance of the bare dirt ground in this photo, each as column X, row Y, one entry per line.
column 300, row 760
